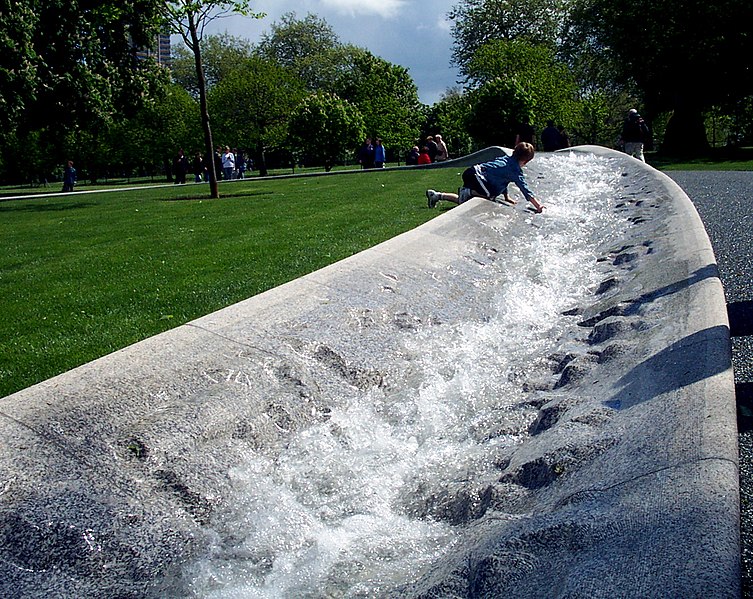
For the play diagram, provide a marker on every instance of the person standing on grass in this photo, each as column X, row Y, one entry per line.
column 180, row 166
column 380, row 156
column 228, row 163
column 442, row 153
column 490, row 179
column 366, row 154
column 69, row 176
column 198, row 167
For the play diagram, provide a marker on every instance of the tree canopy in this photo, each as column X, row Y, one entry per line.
column 220, row 55
column 678, row 57
column 252, row 105
column 73, row 62
column 684, row 56
column 326, row 127
column 476, row 22
column 497, row 108
column 292, row 41
column 547, row 82
column 386, row 96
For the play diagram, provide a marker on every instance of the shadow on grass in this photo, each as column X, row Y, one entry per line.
column 223, row 196
column 46, row 207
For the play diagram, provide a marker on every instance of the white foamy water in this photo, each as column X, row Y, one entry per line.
column 364, row 502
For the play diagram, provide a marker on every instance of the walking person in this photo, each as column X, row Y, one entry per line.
column 240, row 158
column 366, row 154
column 551, row 139
column 180, row 167
column 198, row 167
column 634, row 134
column 69, row 176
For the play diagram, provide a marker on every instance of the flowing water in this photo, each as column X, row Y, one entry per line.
column 364, row 502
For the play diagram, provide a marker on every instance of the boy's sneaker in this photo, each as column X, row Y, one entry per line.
column 464, row 194
column 432, row 197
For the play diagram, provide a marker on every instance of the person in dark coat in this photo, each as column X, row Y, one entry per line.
column 634, row 134
column 366, row 154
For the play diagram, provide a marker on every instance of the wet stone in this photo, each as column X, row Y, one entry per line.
column 550, row 414
column 573, row 372
column 605, row 286
column 607, row 329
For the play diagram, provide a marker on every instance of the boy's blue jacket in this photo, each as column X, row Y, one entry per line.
column 502, row 171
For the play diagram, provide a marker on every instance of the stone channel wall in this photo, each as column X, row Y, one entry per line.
column 626, row 487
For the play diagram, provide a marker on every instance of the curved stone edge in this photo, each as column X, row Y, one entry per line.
column 110, row 471
column 477, row 157
column 629, row 485
column 650, row 509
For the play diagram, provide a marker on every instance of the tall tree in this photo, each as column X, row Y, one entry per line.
column 189, row 19
column 328, row 124
column 292, row 41
column 252, row 106
column 684, row 55
column 386, row 96
column 496, row 110
column 310, row 48
column 475, row 22
column 220, row 55
column 384, row 93
column 547, row 82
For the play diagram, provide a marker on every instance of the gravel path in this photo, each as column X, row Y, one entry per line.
column 724, row 199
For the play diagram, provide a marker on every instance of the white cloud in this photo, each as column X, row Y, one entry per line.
column 382, row 8
column 414, row 25
column 444, row 24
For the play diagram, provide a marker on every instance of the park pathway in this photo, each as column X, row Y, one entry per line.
column 724, row 199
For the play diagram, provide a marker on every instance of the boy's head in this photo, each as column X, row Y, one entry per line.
column 523, row 152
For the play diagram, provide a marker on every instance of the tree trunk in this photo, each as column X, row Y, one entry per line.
column 261, row 153
column 208, row 142
column 686, row 131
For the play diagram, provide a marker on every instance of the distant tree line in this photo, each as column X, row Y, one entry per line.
column 685, row 64
column 72, row 86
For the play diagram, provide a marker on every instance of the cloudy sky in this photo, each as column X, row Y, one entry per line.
column 412, row 33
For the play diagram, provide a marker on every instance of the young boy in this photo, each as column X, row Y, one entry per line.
column 490, row 179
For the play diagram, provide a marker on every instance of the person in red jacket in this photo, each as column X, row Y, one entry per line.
column 423, row 156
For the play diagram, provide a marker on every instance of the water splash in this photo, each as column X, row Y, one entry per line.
column 365, row 501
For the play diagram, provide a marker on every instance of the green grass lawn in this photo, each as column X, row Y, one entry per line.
column 718, row 159
column 84, row 275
